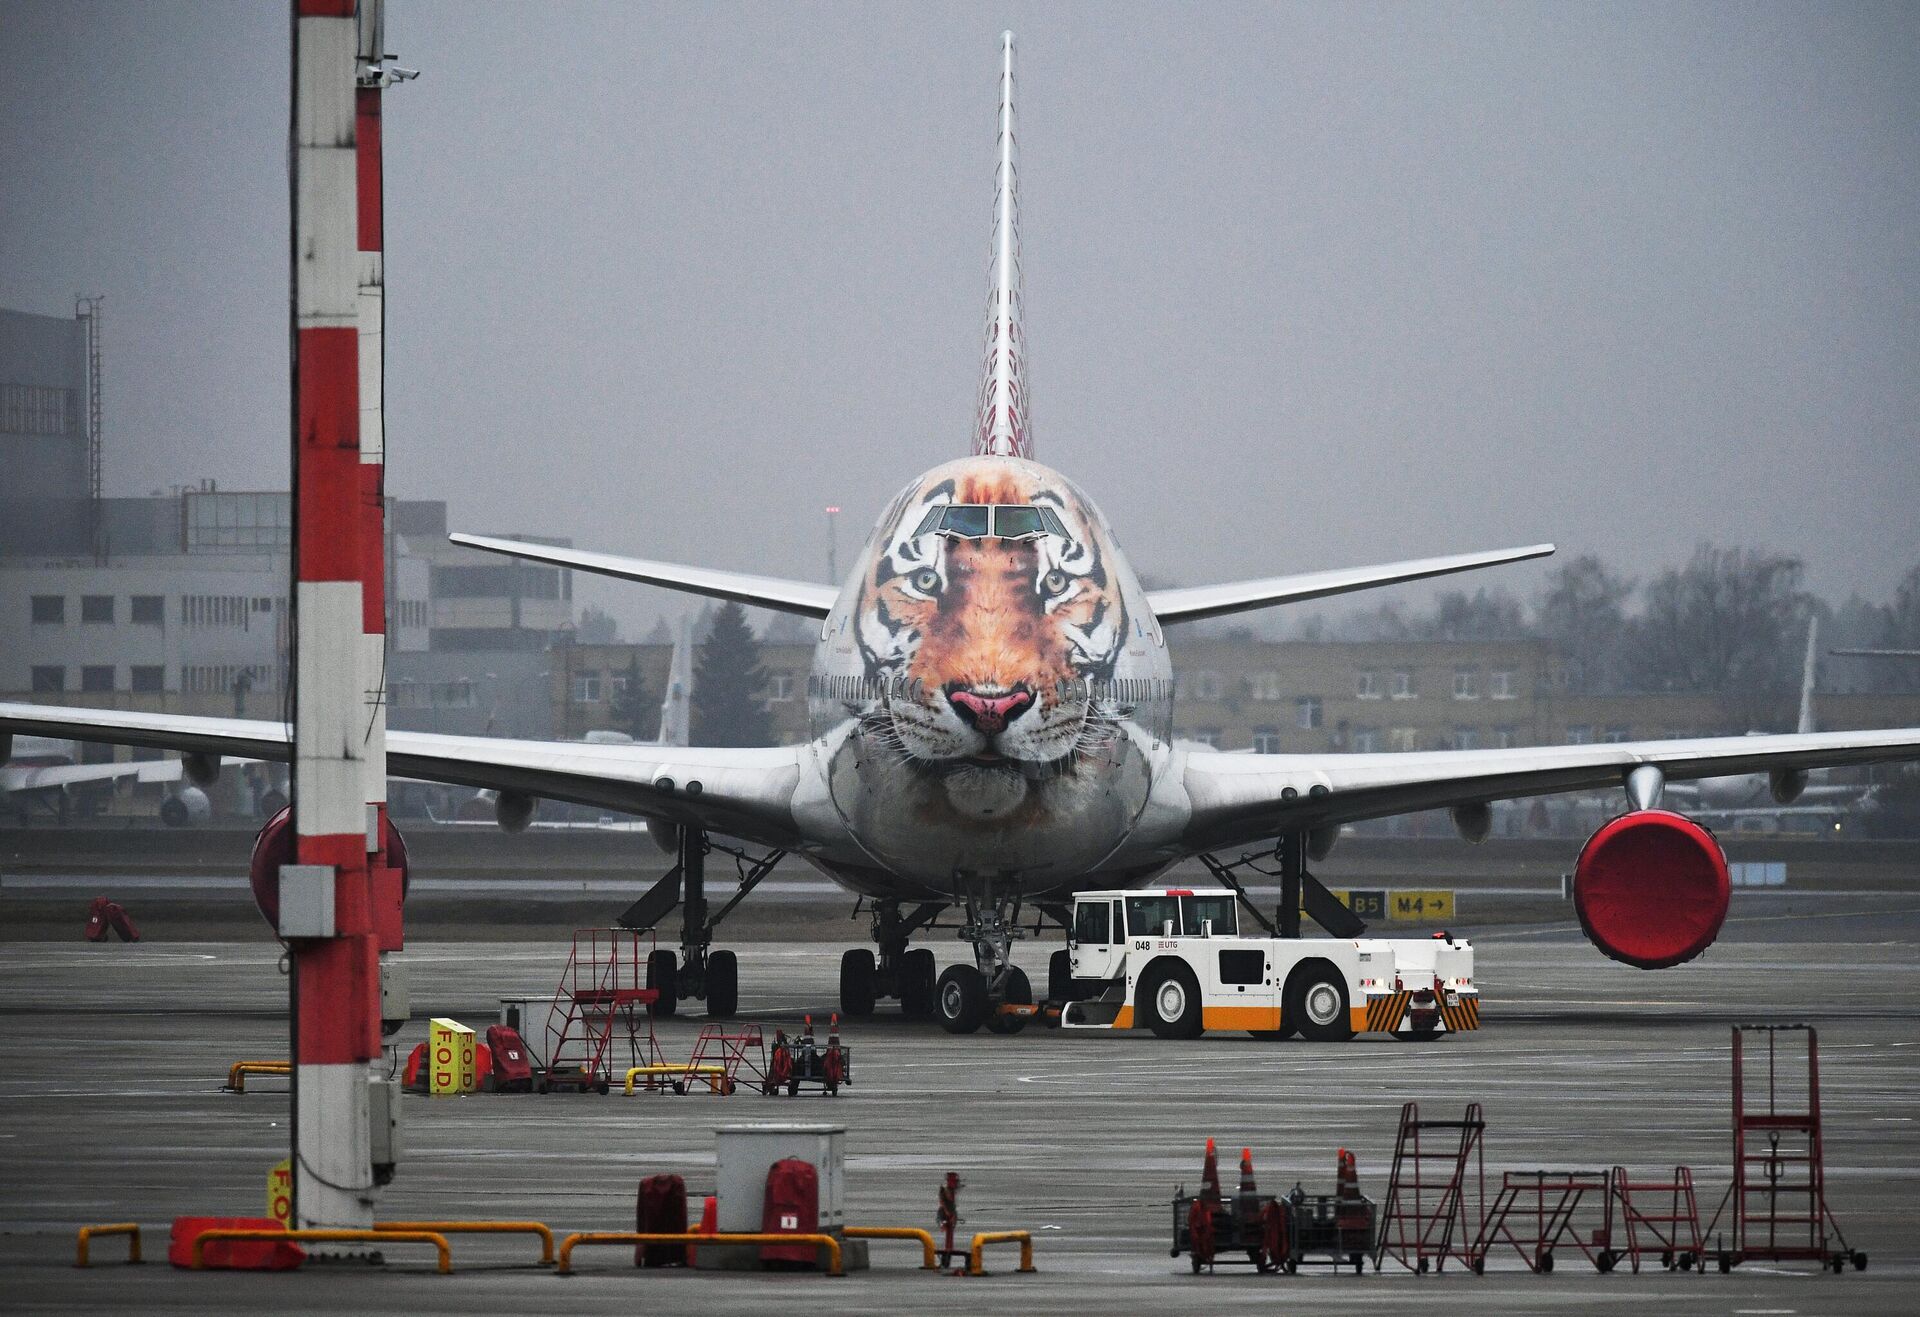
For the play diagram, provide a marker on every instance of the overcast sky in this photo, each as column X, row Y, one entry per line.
column 1307, row 286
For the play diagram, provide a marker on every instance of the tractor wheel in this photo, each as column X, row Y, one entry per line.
column 1316, row 1003
column 1170, row 1000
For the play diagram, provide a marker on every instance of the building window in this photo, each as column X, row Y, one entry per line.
column 37, row 409
column 1403, row 686
column 1366, row 740
column 1306, row 712
column 780, row 686
column 149, row 677
column 215, row 610
column 49, row 608
column 451, row 695
column 1466, row 684
column 1264, row 686
column 218, row 678
column 1266, row 740
column 586, row 688
column 1505, row 737
column 1366, row 684
column 1580, row 734
column 1402, row 739
column 1615, row 734
column 1200, row 684
column 149, row 609
column 96, row 608
column 49, row 677
column 1500, row 684
column 1466, row 738
column 237, row 523
column 96, row 678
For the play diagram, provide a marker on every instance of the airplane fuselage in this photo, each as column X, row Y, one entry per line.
column 991, row 698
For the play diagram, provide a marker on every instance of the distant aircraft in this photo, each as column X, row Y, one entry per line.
column 992, row 722
column 39, row 772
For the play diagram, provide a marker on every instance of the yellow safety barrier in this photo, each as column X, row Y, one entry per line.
column 900, row 1232
column 980, row 1241
column 715, row 1076
column 438, row 1241
column 131, row 1229
column 827, row 1244
column 237, row 1073
column 476, row 1228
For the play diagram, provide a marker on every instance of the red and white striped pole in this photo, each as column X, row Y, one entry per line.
column 335, row 967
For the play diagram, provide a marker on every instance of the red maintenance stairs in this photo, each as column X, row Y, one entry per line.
column 1777, row 1203
column 1424, row 1219
column 605, row 994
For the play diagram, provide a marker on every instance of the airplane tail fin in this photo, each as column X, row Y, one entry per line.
column 676, row 710
column 1807, row 675
column 1001, row 429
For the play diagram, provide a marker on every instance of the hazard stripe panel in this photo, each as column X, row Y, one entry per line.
column 1463, row 1015
column 1384, row 1013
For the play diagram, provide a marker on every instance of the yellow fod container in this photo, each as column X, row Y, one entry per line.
column 450, row 1058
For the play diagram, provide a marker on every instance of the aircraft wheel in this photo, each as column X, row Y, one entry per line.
column 857, row 986
column 1170, row 1001
column 917, row 973
column 723, row 984
column 1317, row 1004
column 961, row 997
column 1019, row 990
column 663, row 977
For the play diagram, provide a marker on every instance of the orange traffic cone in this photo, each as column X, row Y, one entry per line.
column 1210, row 1175
column 1247, row 1186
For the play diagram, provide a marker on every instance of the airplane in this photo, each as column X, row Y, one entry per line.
column 41, row 772
column 991, row 731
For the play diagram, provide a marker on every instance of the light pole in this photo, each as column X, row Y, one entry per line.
column 833, row 545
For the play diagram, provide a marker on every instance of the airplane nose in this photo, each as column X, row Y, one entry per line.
column 989, row 713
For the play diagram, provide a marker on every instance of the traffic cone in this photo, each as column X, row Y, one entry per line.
column 1210, row 1175
column 1347, row 1176
column 1247, row 1186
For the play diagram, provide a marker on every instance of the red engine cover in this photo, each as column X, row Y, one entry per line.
column 1651, row 889
column 274, row 846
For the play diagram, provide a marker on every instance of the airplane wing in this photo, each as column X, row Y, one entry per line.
column 1242, row 800
column 59, row 776
column 740, row 792
column 1196, row 603
column 802, row 597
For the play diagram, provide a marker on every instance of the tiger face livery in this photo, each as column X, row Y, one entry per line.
column 988, row 617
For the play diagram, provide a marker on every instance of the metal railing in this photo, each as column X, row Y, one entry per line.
column 827, row 1244
column 131, row 1229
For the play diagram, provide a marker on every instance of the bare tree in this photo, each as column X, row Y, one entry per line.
column 1482, row 615
column 1731, row 622
column 1583, row 611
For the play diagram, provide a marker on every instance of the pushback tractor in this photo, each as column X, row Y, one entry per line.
column 1173, row 960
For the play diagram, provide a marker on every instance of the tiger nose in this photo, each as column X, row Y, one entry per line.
column 989, row 713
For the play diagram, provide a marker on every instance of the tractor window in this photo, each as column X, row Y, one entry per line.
column 1090, row 924
column 1194, row 909
column 1147, row 916
column 1243, row 967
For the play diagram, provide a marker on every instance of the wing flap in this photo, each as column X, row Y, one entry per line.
column 802, row 597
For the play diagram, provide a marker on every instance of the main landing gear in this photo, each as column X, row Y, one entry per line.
column 699, row 972
column 896, row 972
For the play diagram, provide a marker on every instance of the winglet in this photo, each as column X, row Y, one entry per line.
column 1001, row 429
column 1807, row 674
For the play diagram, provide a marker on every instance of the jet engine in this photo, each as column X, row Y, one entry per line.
column 513, row 810
column 273, row 846
column 203, row 770
column 1651, row 889
column 189, row 806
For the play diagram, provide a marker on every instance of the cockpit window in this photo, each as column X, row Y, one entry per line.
column 1017, row 522
column 978, row 521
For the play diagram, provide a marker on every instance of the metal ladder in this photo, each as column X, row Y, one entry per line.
column 1424, row 1220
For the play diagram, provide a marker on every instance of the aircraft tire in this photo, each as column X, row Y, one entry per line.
column 1170, row 1000
column 857, row 984
column 1019, row 989
column 663, row 976
column 723, row 985
column 1317, row 989
column 917, row 975
column 961, row 999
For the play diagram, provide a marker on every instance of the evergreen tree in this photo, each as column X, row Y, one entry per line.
column 727, row 683
column 633, row 711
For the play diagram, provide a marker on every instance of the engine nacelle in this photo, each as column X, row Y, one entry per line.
column 513, row 810
column 664, row 835
column 185, row 808
column 1786, row 784
column 1474, row 821
column 203, row 770
column 1651, row 889
column 274, row 845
